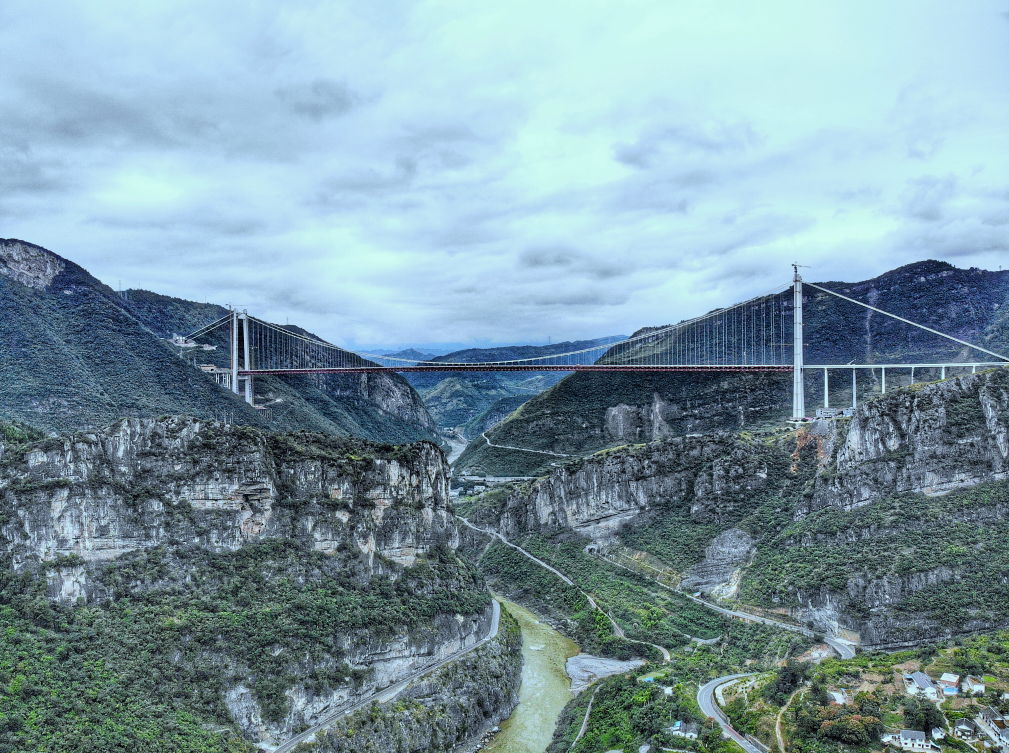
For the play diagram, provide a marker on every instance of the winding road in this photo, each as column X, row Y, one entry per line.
column 387, row 694
column 619, row 631
column 844, row 650
column 523, row 449
column 705, row 699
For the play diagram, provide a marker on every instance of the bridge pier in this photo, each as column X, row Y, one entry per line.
column 884, row 379
column 854, row 390
column 826, row 389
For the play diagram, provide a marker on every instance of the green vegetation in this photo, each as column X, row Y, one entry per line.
column 643, row 609
column 898, row 536
column 511, row 571
column 786, row 680
column 627, row 713
column 149, row 669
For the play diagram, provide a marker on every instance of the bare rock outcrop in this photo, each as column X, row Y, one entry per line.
column 930, row 439
column 29, row 264
column 710, row 476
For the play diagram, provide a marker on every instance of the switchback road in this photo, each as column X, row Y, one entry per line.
column 705, row 699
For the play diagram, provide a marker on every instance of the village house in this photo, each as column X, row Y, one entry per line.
column 938, row 733
column 840, row 697
column 683, row 729
column 910, row 739
column 990, row 715
column 966, row 729
column 949, row 683
column 918, row 683
column 996, row 724
column 973, row 686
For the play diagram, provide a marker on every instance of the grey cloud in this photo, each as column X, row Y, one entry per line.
column 717, row 140
column 411, row 171
column 320, row 99
column 572, row 263
column 537, row 258
column 925, row 198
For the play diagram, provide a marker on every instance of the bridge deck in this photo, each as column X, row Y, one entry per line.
column 513, row 367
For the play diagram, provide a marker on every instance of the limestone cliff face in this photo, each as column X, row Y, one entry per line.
column 101, row 494
column 389, row 392
column 711, row 476
column 932, row 440
column 387, row 662
column 72, row 505
column 28, row 264
column 445, row 711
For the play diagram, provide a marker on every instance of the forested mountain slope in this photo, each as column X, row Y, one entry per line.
column 890, row 524
column 74, row 353
column 589, row 411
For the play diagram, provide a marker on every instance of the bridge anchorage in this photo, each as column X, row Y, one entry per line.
column 766, row 334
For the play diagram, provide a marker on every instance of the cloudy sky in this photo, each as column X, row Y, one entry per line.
column 395, row 172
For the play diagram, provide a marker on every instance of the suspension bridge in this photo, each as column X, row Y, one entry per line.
column 764, row 334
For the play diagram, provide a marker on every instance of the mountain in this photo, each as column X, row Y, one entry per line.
column 175, row 585
column 887, row 526
column 410, row 354
column 456, row 399
column 74, row 353
column 586, row 412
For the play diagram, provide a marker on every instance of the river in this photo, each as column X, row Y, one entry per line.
column 545, row 687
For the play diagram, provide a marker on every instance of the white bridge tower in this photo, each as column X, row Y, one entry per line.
column 798, row 388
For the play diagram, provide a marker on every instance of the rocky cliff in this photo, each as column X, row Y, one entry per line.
column 887, row 524
column 101, row 494
column 445, row 711
column 709, row 478
column 897, row 536
column 931, row 438
column 327, row 564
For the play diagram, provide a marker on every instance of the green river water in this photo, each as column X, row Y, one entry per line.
column 545, row 687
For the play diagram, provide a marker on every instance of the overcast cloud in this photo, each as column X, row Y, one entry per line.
column 395, row 172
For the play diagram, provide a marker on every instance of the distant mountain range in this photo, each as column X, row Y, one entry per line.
column 463, row 402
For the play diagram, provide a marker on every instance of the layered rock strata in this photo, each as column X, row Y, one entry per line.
column 709, row 477
column 74, row 506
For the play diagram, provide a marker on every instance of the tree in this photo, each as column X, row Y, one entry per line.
column 922, row 715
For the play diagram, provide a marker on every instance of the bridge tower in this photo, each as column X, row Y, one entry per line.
column 247, row 361
column 798, row 383
column 234, row 352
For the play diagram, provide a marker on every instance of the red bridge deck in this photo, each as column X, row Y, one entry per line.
column 781, row 369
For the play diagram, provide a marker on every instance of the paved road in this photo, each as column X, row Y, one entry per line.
column 705, row 699
column 390, row 692
column 523, row 449
column 844, row 650
column 616, row 628
column 585, row 721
